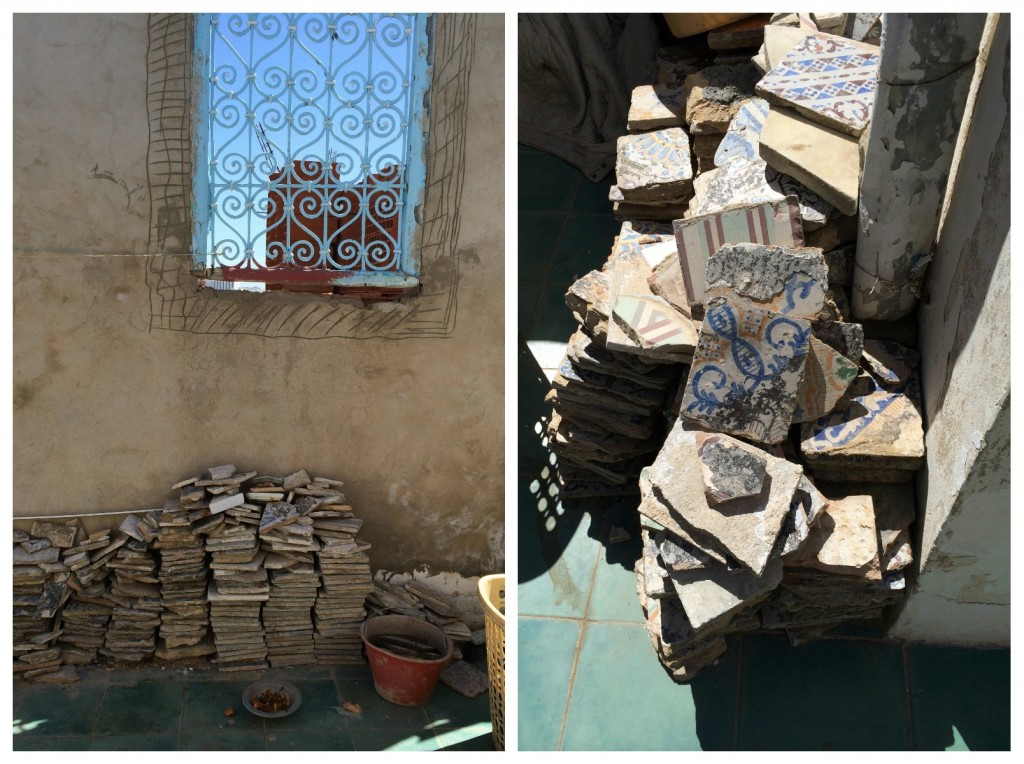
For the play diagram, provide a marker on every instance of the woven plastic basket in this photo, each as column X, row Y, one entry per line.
column 492, row 594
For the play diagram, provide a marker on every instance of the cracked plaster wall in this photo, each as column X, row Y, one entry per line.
column 962, row 589
column 109, row 412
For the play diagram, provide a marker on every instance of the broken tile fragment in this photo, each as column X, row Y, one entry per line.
column 714, row 95
column 699, row 237
column 656, row 106
column 827, row 376
column 730, row 472
column 654, row 328
column 742, row 33
column 586, row 353
column 890, row 362
column 221, row 503
column 276, row 514
column 588, row 299
column 787, row 280
column 747, row 371
column 875, row 434
column 295, row 480
column 825, row 161
column 840, row 262
column 746, row 528
column 220, row 473
column 739, row 183
column 654, row 166
column 846, row 339
column 778, row 41
column 711, row 595
column 844, row 540
column 830, row 80
column 741, row 139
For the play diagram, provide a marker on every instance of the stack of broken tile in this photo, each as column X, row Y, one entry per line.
column 135, row 591
column 268, row 541
column 287, row 546
column 184, row 570
column 344, row 569
column 86, row 617
column 781, row 394
column 41, row 591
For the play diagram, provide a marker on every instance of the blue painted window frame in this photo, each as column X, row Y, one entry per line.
column 407, row 276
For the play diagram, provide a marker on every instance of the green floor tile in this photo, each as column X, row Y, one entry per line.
column 357, row 671
column 614, row 597
column 378, row 714
column 528, row 299
column 554, row 321
column 475, row 737
column 319, row 708
column 960, row 698
column 539, row 234
column 557, row 552
column 142, row 708
column 205, row 703
column 395, row 740
column 593, row 197
column 46, row 711
column 828, row 695
column 546, row 651
column 620, row 688
column 224, row 740
column 164, row 741
column 447, row 709
column 328, row 739
column 59, row 743
column 545, row 183
column 585, row 246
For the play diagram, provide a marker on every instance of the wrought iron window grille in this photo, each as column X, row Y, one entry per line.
column 310, row 152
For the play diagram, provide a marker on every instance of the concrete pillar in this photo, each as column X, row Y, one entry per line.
column 926, row 67
column 961, row 590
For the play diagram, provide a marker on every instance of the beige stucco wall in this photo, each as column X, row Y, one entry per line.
column 108, row 412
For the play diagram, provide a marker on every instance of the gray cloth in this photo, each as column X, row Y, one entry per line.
column 576, row 73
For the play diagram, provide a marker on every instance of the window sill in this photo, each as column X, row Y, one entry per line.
column 371, row 287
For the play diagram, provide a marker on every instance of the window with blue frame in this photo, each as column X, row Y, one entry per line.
column 310, row 150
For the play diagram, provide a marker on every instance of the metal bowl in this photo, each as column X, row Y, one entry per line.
column 256, row 688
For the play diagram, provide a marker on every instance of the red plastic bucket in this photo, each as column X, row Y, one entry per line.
column 398, row 679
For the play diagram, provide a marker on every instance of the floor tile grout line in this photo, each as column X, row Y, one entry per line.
column 904, row 653
column 601, row 536
column 561, row 235
column 581, row 626
column 99, row 710
column 582, row 631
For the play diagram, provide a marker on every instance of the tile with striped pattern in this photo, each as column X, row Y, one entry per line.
column 697, row 238
column 828, row 79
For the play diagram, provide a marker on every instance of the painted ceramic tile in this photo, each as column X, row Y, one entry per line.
column 747, row 371
column 654, row 106
column 654, row 325
column 827, row 376
column 878, row 428
column 828, row 79
column 741, row 138
column 743, row 141
column 697, row 238
column 655, row 241
column 643, row 324
column 654, row 166
column 788, row 280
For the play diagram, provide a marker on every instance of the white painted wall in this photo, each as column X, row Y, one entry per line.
column 962, row 589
